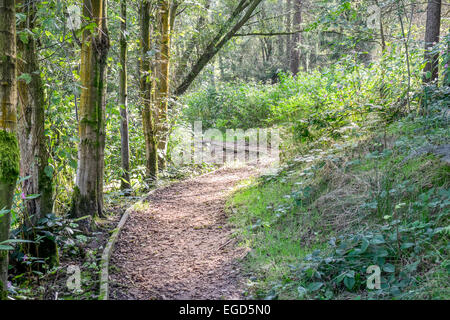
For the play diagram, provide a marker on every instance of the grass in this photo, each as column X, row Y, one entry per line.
column 368, row 188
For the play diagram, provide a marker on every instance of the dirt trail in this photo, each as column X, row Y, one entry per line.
column 179, row 245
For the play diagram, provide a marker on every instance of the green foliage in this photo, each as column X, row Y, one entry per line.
column 231, row 105
column 314, row 231
column 399, row 249
column 312, row 105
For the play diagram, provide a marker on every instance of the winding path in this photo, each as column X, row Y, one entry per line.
column 179, row 245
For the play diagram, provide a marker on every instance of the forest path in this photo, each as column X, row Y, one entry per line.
column 179, row 246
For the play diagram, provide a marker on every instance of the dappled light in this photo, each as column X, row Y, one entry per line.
column 247, row 150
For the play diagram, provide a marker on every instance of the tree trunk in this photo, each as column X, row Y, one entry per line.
column 88, row 193
column 281, row 40
column 146, row 76
column 382, row 58
column 447, row 61
column 125, row 148
column 431, row 69
column 163, row 81
column 9, row 149
column 289, row 36
column 296, row 38
column 32, row 141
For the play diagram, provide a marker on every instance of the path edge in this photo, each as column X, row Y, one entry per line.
column 107, row 252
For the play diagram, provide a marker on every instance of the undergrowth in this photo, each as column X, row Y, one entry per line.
column 375, row 198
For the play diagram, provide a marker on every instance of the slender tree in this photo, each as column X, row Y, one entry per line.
column 288, row 36
column 296, row 38
column 447, row 61
column 123, row 92
column 146, row 87
column 433, row 25
column 9, row 149
column 281, row 40
column 88, row 193
column 383, row 52
column 163, row 67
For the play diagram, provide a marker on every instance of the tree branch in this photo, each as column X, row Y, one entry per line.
column 268, row 34
column 218, row 42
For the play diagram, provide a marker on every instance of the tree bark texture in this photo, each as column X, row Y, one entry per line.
column 123, row 101
column 433, row 25
column 88, row 193
column 9, row 149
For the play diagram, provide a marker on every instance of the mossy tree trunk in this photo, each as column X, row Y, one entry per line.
column 162, row 93
column 32, row 141
column 147, row 99
column 123, row 92
column 9, row 150
column 88, row 193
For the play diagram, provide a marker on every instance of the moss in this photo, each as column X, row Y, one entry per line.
column 3, row 292
column 9, row 157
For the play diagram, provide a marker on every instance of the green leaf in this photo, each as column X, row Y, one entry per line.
column 23, row 37
column 364, row 245
column 378, row 239
column 4, row 211
column 4, row 245
column 73, row 163
column 395, row 291
column 315, row 286
column 340, row 277
column 381, row 253
column 49, row 171
column 21, row 16
column 15, row 241
column 301, row 291
column 407, row 245
column 25, row 77
column 412, row 267
column 389, row 268
column 32, row 196
column 349, row 282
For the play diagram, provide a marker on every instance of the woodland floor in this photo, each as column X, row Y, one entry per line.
column 179, row 246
